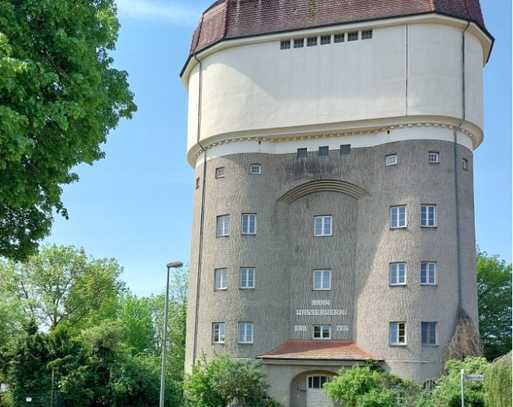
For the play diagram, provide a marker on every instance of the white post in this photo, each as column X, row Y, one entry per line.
column 462, row 379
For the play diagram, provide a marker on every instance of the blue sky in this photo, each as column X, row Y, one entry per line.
column 136, row 204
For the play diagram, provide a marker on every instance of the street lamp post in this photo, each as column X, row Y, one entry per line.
column 172, row 265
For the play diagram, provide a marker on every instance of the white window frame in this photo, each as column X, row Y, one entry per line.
column 391, row 160
column 223, row 273
column 433, row 325
column 255, row 169
column 321, row 381
column 246, row 333
column 366, row 34
column 394, row 271
column 434, row 157
column 435, row 220
column 392, row 217
column 352, row 34
column 397, row 340
column 219, row 172
column 322, row 219
column 322, row 273
column 219, row 330
column 223, row 225
column 465, row 164
column 244, row 274
column 245, row 221
column 322, row 329
column 428, row 272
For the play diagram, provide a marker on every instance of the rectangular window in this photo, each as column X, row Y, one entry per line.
column 391, row 160
column 285, row 44
column 220, row 172
column 301, row 153
column 255, row 169
column 345, row 149
column 323, row 225
column 248, row 222
column 325, row 39
column 465, row 164
column 223, row 225
column 434, row 157
column 398, row 217
column 428, row 216
column 246, row 332
column 299, row 43
column 322, row 332
column 218, row 332
column 352, row 36
column 397, row 333
column 366, row 35
column 428, row 332
column 340, row 37
column 322, row 280
column 220, row 279
column 311, row 41
column 324, row 151
column 428, row 273
column 397, row 274
column 197, row 183
column 247, row 277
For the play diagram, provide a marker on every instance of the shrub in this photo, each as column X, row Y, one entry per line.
column 498, row 383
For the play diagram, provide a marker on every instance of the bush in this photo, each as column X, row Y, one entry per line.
column 225, row 381
column 369, row 386
column 498, row 383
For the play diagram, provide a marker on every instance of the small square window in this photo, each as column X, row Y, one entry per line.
column 397, row 333
column 428, row 216
column 398, row 217
column 323, row 225
column 345, row 149
column 302, row 153
column 311, row 41
column 246, row 332
column 366, row 35
column 299, row 43
column 465, row 164
column 248, row 222
column 223, row 226
column 428, row 333
column 285, row 44
column 219, row 172
column 324, row 151
column 428, row 273
column 220, row 279
column 391, row 160
column 247, row 277
column 397, row 274
column 255, row 169
column 322, row 332
column 322, row 280
column 340, row 37
column 325, row 39
column 197, row 183
column 434, row 157
column 218, row 332
column 352, row 36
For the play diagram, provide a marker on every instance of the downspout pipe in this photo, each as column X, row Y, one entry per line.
column 202, row 210
column 456, row 181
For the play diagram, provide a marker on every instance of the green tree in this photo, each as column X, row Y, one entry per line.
column 60, row 97
column 498, row 383
column 223, row 381
column 62, row 285
column 494, row 296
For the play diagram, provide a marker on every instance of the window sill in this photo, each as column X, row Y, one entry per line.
column 398, row 345
column 398, row 285
column 217, row 343
column 322, row 235
column 428, row 285
column 428, row 345
column 428, row 227
column 245, row 343
column 221, row 289
column 398, row 227
column 321, row 289
column 221, row 236
column 247, row 288
column 321, row 339
column 248, row 234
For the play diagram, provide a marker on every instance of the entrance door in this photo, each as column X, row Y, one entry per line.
column 315, row 396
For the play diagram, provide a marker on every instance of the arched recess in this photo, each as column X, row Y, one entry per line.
column 322, row 185
column 298, row 385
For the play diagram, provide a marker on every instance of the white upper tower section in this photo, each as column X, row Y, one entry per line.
column 423, row 67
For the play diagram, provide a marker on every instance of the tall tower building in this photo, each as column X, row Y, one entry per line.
column 332, row 143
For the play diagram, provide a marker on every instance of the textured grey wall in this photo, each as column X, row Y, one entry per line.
column 285, row 252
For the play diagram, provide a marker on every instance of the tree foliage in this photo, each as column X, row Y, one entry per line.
column 494, row 296
column 59, row 98
column 223, row 381
column 498, row 383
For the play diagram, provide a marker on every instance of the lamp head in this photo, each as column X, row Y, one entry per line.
column 174, row 265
